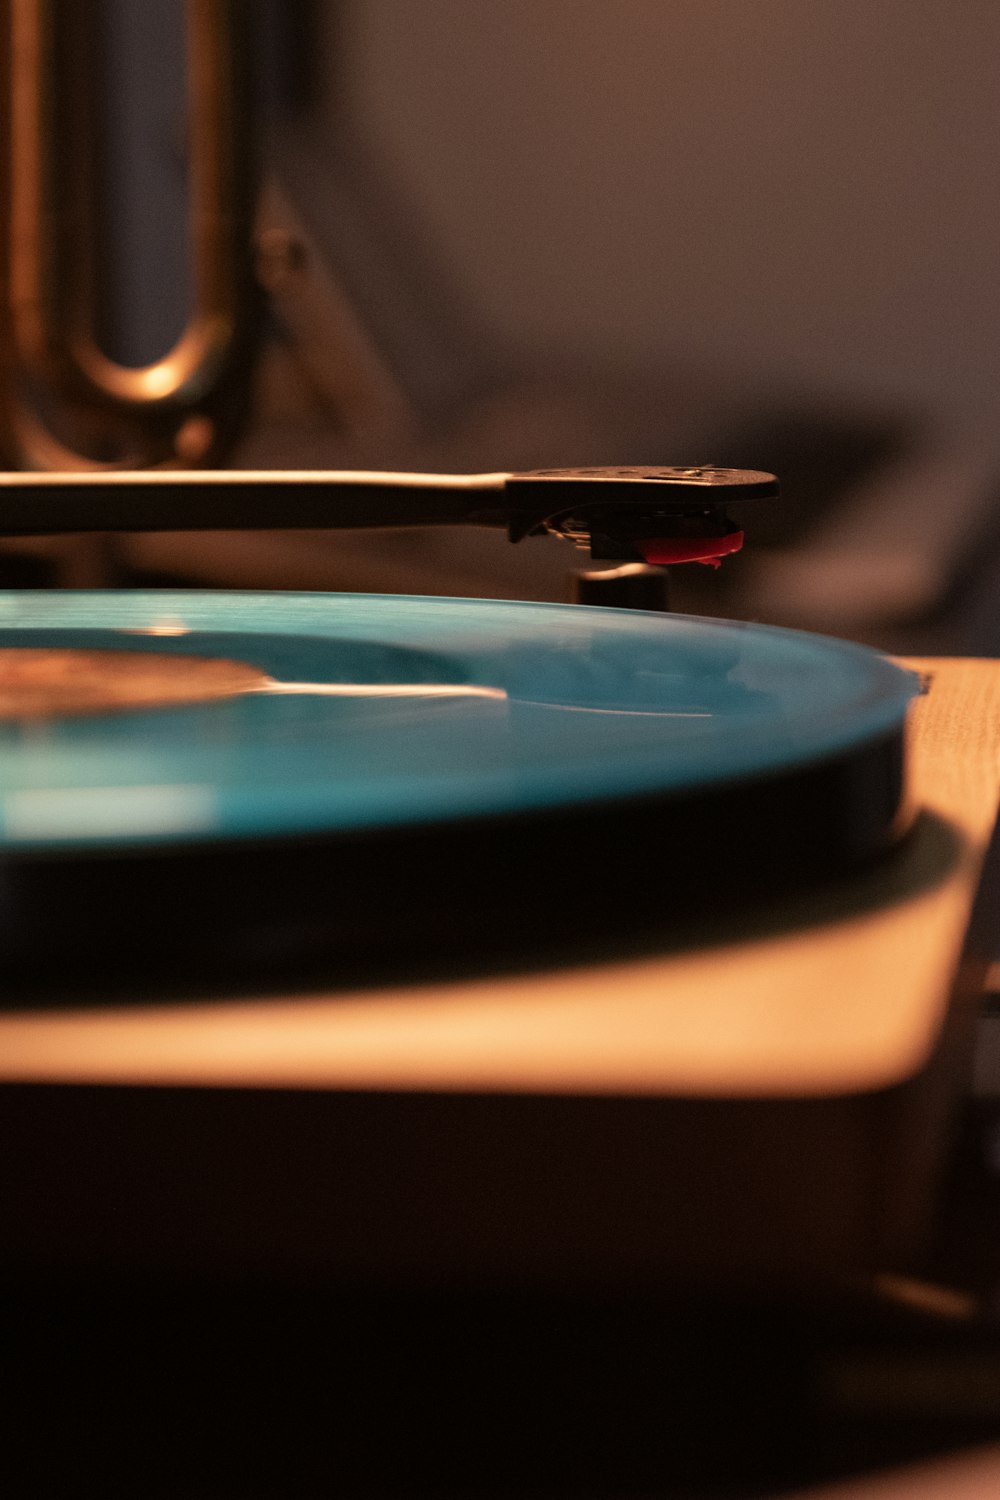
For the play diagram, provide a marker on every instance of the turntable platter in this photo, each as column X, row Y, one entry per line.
column 342, row 712
column 342, row 751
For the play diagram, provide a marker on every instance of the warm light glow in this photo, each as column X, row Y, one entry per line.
column 384, row 689
column 167, row 626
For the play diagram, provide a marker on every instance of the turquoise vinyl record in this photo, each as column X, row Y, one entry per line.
column 355, row 713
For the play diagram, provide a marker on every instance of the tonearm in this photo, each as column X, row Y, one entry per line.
column 640, row 514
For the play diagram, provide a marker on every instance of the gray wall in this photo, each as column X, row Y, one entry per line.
column 801, row 186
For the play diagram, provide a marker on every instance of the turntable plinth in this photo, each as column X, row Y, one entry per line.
column 767, row 1091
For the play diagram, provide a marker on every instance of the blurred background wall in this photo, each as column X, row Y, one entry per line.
column 793, row 190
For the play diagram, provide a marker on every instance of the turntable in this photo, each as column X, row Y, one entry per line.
column 408, row 998
column 513, row 930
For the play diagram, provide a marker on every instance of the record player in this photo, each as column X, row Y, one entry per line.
column 367, row 960
column 561, row 911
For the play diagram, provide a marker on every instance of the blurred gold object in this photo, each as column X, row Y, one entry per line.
column 67, row 403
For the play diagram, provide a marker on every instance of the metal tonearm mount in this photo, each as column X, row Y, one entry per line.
column 653, row 515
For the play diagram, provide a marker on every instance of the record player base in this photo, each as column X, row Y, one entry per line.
column 766, row 1095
